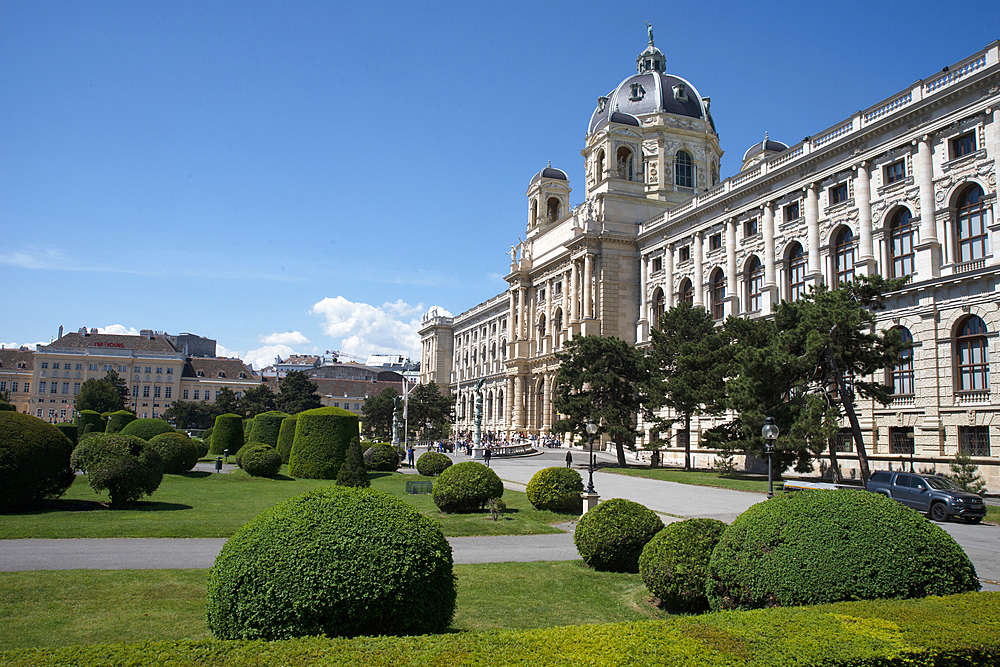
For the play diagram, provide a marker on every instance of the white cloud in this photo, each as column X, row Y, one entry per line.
column 284, row 339
column 364, row 329
column 119, row 329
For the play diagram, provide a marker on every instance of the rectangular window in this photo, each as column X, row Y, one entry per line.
column 170, row 371
column 356, row 406
column 91, row 367
column 108, row 367
column 657, row 264
column 894, row 172
column 41, row 387
column 791, row 212
column 45, row 364
column 135, row 390
column 65, row 388
column 901, row 440
column 79, row 367
column 196, row 394
column 843, row 441
column 184, row 394
column 3, row 386
column 216, row 394
column 53, row 387
column 27, row 387
column 13, row 387
column 556, row 289
column 750, row 228
column 55, row 366
column 148, row 369
column 168, row 392
column 336, row 405
column 122, row 369
column 38, row 413
column 156, row 391
column 62, row 414
column 145, row 391
column 974, row 440
column 838, row 193
column 715, row 241
column 76, row 388
column 684, row 254
column 159, row 370
column 963, row 145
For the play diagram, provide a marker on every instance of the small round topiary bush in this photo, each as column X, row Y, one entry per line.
column 70, row 431
column 125, row 466
column 9, row 407
column 378, row 567
column 813, row 547
column 611, row 536
column 556, row 490
column 147, row 429
column 431, row 464
column 383, row 458
column 260, row 460
column 178, row 452
column 202, row 447
column 118, row 421
column 88, row 421
column 34, row 461
column 322, row 436
column 466, row 487
column 207, row 436
column 227, row 434
column 286, row 436
column 674, row 564
column 267, row 426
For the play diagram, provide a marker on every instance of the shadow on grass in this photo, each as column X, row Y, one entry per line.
column 62, row 505
column 195, row 474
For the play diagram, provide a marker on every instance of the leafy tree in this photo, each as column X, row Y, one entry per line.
column 99, row 396
column 187, row 414
column 686, row 368
column 257, row 399
column 599, row 379
column 118, row 382
column 377, row 413
column 429, row 402
column 226, row 402
column 298, row 393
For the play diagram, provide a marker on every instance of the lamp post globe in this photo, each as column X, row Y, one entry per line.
column 770, row 433
column 591, row 431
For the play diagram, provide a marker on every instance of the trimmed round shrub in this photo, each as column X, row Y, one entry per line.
column 207, row 436
column 354, row 472
column 9, row 407
column 674, row 564
column 322, row 436
column 260, row 460
column 70, row 431
column 267, row 426
column 813, row 547
column 34, row 461
column 383, row 458
column 378, row 567
column 125, row 466
column 556, row 489
column 611, row 536
column 227, row 434
column 91, row 419
column 466, row 487
column 178, row 452
column 202, row 446
column 286, row 436
column 431, row 464
column 147, row 429
column 118, row 421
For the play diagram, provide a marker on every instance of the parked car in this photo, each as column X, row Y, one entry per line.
column 935, row 495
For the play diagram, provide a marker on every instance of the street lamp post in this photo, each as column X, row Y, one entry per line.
column 591, row 431
column 770, row 434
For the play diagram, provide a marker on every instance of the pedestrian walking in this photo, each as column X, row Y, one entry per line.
column 569, row 459
column 486, row 456
column 409, row 455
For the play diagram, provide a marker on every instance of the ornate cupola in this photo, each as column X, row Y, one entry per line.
column 548, row 197
column 651, row 59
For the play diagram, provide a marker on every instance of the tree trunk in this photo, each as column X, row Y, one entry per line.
column 620, row 450
column 847, row 400
column 687, row 442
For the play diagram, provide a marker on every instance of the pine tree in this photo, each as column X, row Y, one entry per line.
column 965, row 473
column 353, row 472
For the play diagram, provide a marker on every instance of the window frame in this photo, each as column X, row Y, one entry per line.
column 972, row 360
column 901, row 376
column 798, row 266
column 894, row 172
column 962, row 145
column 845, row 256
column 973, row 213
column 755, row 285
column 838, row 193
column 683, row 169
column 718, row 295
column 901, row 255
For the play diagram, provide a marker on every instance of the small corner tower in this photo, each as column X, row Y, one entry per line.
column 548, row 198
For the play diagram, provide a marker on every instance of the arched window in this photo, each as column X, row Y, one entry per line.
column 796, row 272
column 659, row 307
column 534, row 212
column 972, row 356
column 600, row 166
column 500, row 405
column 625, row 163
column 971, row 224
column 503, row 349
column 844, row 252
column 541, row 325
column 552, row 209
column 557, row 317
column 901, row 375
column 755, row 285
column 686, row 291
column 718, row 295
column 683, row 170
column 901, row 244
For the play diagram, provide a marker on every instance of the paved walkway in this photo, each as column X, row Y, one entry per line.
column 672, row 501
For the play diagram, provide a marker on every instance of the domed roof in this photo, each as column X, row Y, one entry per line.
column 550, row 172
column 766, row 146
column 651, row 91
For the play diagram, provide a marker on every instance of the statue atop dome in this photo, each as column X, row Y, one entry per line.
column 649, row 31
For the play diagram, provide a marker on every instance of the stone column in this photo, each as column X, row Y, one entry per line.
column 532, row 315
column 699, row 278
column 511, row 335
column 768, row 233
column 732, row 283
column 508, row 404
column 518, row 403
column 575, row 293
column 812, row 236
column 668, row 278
column 588, row 279
column 522, row 311
column 642, row 326
column 927, row 249
column 863, row 198
column 550, row 335
column 547, row 402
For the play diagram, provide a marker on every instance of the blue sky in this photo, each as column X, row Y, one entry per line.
column 309, row 176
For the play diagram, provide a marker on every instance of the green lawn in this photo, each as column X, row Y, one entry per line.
column 62, row 608
column 213, row 505
column 737, row 482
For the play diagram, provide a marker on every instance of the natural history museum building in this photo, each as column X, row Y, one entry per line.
column 906, row 187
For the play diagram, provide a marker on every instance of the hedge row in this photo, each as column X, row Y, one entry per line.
column 958, row 631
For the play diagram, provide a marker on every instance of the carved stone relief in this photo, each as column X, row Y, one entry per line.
column 653, row 176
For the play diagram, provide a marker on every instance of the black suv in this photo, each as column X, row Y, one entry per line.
column 934, row 495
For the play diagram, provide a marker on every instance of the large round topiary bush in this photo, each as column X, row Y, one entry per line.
column 267, row 426
column 556, row 490
column 466, row 487
column 431, row 464
column 812, row 547
column 322, row 436
column 674, row 564
column 376, row 566
column 34, row 461
column 89, row 421
column 178, row 452
column 611, row 536
column 286, row 436
column 227, row 434
column 125, row 466
column 119, row 420
column 260, row 460
column 147, row 429
column 382, row 458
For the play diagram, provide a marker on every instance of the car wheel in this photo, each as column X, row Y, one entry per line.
column 973, row 519
column 939, row 512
